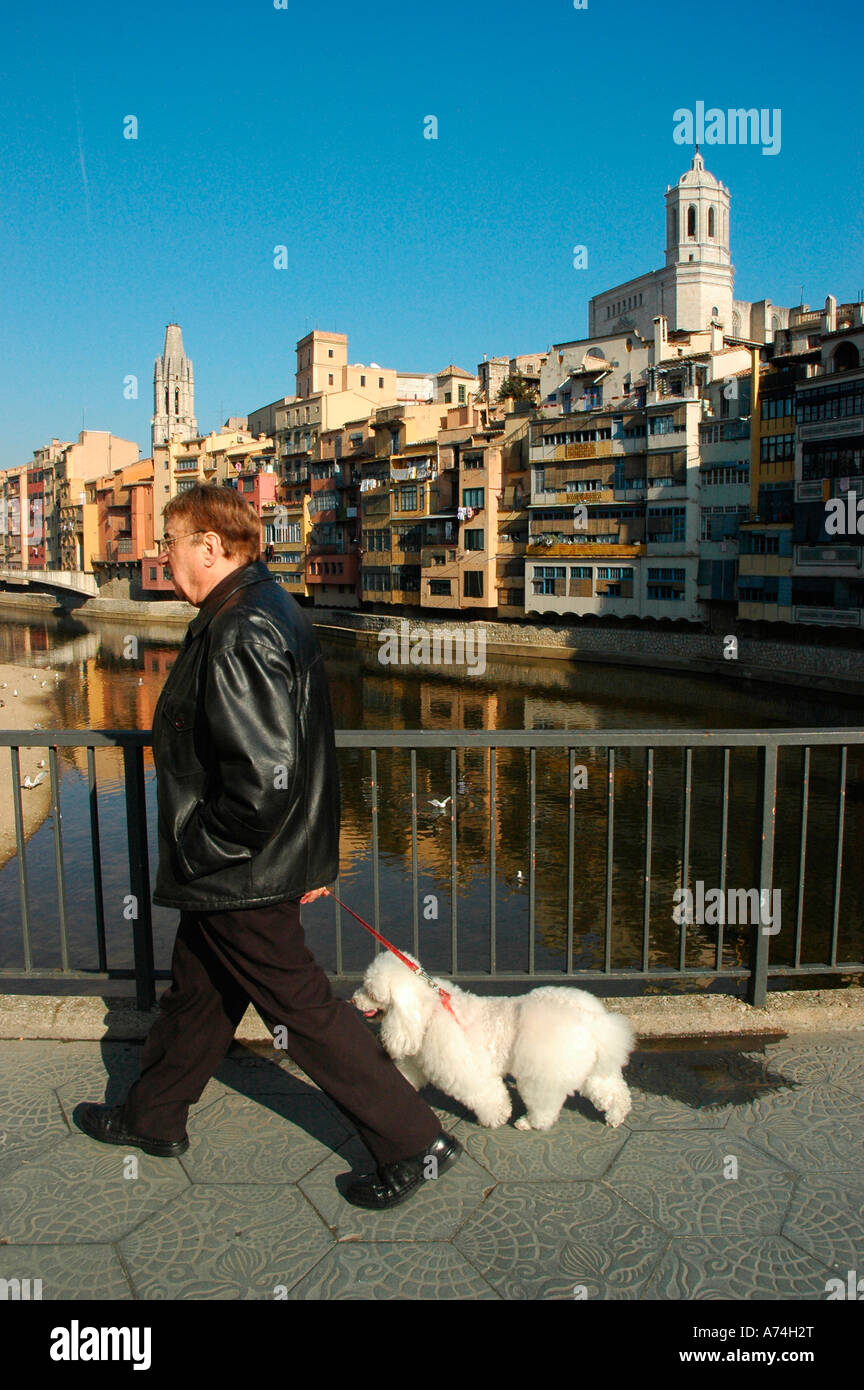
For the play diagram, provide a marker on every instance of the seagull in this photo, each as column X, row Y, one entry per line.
column 441, row 805
column 38, row 726
column 140, row 680
column 30, row 785
column 42, row 764
column 43, row 685
column 2, row 685
column 15, row 692
column 520, row 877
column 33, row 676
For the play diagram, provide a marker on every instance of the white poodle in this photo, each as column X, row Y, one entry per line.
column 553, row 1041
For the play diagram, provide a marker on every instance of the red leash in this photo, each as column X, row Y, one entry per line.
column 418, row 969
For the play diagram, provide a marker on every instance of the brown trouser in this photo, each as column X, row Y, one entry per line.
column 223, row 961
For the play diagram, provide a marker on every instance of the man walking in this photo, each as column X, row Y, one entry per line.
column 249, row 811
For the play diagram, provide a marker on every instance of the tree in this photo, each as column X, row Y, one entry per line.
column 515, row 385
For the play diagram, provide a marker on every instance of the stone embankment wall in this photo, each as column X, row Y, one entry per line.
column 816, row 667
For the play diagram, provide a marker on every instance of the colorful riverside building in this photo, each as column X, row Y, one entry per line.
column 615, row 512
column 828, row 565
column 765, row 537
column 807, row 448
column 342, row 416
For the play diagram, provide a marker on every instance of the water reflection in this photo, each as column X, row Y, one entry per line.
column 111, row 682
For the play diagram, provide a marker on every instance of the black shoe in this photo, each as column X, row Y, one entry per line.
column 107, row 1124
column 394, row 1182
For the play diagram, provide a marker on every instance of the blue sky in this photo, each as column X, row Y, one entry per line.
column 304, row 127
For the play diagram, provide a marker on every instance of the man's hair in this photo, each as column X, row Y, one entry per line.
column 207, row 507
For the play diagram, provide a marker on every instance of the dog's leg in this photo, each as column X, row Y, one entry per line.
column 491, row 1105
column 542, row 1103
column 610, row 1094
column 412, row 1072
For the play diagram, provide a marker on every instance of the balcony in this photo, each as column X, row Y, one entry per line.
column 834, row 556
column 813, row 490
column 408, row 470
column 428, row 553
column 828, row 617
column 514, row 501
column 372, row 505
column 511, row 545
column 567, row 497
column 332, row 569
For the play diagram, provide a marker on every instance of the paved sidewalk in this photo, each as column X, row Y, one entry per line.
column 651, row 1210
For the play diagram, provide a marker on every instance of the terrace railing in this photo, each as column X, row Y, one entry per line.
column 752, row 977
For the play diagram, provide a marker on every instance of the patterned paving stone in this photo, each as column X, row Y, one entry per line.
column 577, row 1147
column 51, row 1064
column 803, row 1063
column 739, row 1269
column 270, row 1139
column 542, row 1240
column 30, row 1113
column 67, row 1271
column 693, row 1090
column 226, row 1243
column 28, row 1121
column 837, row 1058
column 814, row 1129
column 436, row 1212
column 827, row 1221
column 679, row 1181
column 76, row 1191
column 432, row 1272
column 636, row 1212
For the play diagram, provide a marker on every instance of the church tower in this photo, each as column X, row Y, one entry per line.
column 697, row 249
column 173, row 391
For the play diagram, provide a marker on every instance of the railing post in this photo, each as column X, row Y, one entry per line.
column 139, row 875
column 758, row 985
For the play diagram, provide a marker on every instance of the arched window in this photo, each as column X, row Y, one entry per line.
column 711, row 223
column 671, row 227
column 691, row 221
column 845, row 358
column 736, row 325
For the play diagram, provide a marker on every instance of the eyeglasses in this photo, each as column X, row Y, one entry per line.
column 168, row 542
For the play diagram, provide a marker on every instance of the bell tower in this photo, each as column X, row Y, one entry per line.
column 173, row 391
column 697, row 248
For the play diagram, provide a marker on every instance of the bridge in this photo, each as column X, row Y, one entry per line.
column 66, row 580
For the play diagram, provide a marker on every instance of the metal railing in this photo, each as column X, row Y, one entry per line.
column 754, row 976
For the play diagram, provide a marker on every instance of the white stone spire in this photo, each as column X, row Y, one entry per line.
column 173, row 391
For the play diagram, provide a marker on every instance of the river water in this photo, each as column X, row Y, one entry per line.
column 112, row 676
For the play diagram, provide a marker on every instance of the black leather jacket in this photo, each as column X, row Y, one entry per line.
column 247, row 778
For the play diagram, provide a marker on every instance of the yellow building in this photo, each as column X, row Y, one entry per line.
column 95, row 454
column 765, row 541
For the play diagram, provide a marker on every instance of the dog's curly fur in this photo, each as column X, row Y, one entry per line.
column 553, row 1041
